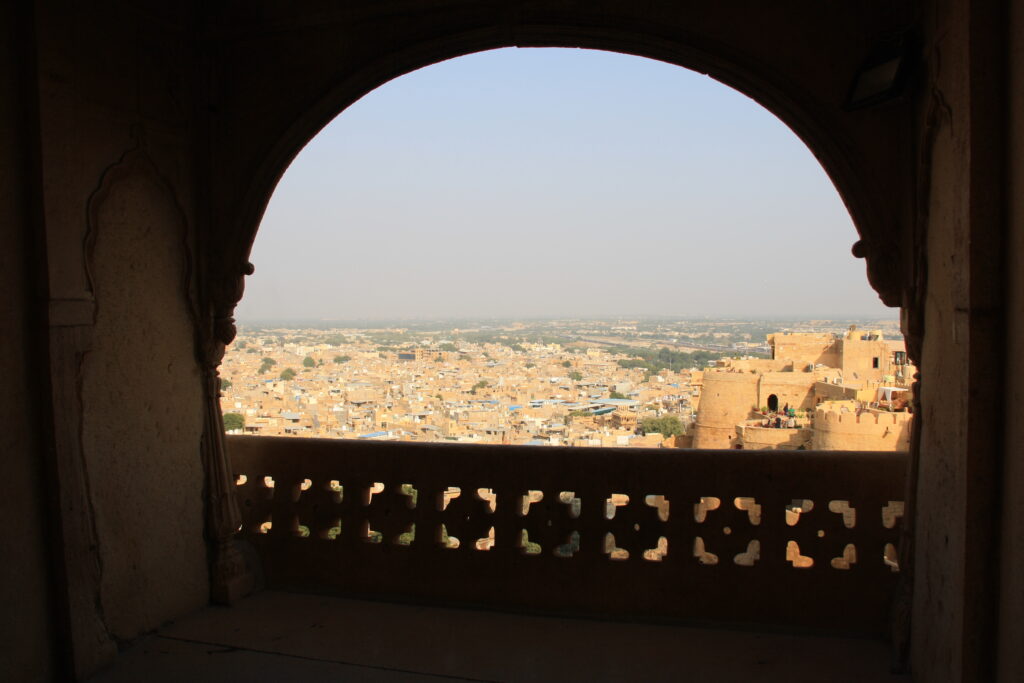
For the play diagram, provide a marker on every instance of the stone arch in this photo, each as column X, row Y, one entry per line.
column 799, row 67
column 827, row 138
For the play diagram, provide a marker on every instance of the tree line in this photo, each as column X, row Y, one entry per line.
column 654, row 361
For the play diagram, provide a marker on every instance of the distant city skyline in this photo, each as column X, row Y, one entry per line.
column 890, row 315
column 544, row 183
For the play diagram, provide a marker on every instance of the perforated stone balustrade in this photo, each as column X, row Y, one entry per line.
column 795, row 539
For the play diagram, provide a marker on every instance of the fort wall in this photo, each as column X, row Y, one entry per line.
column 760, row 365
column 795, row 389
column 809, row 348
column 726, row 400
column 835, row 430
column 758, row 438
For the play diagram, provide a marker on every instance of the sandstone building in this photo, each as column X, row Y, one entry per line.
column 480, row 393
column 843, row 390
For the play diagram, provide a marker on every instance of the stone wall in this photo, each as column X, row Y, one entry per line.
column 726, row 400
column 795, row 389
column 756, row 438
column 812, row 348
column 870, row 431
column 142, row 392
column 827, row 391
column 118, row 213
column 961, row 200
column 858, row 359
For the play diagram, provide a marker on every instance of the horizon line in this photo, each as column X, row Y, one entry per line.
column 469, row 318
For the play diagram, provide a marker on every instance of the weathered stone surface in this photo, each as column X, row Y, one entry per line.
column 142, row 407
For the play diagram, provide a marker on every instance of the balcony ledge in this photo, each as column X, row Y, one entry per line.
column 277, row 636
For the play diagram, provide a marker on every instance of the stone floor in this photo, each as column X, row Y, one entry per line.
column 275, row 636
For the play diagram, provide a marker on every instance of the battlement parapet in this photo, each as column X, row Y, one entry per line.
column 757, row 437
column 831, row 416
column 872, row 430
column 729, row 375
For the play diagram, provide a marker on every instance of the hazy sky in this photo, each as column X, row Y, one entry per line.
column 549, row 182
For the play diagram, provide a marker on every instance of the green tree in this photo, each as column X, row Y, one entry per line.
column 448, row 346
column 266, row 364
column 531, row 365
column 616, row 394
column 566, row 364
column 308, row 362
column 655, row 361
column 233, row 422
column 342, row 359
column 668, row 425
column 225, row 384
column 287, row 374
column 576, row 375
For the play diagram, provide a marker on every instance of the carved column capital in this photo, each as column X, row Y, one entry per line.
column 224, row 294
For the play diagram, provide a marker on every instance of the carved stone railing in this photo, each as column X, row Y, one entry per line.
column 793, row 539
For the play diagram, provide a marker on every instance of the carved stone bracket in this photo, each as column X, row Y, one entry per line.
column 231, row 578
column 884, row 272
